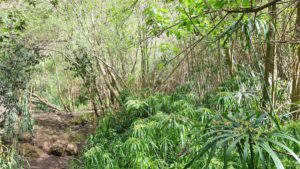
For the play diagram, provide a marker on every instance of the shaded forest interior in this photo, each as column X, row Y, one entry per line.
column 148, row 84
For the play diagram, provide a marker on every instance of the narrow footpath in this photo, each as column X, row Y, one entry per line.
column 57, row 139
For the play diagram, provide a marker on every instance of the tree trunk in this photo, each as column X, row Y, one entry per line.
column 230, row 61
column 229, row 55
column 59, row 87
column 270, row 60
column 295, row 97
column 143, row 63
column 95, row 107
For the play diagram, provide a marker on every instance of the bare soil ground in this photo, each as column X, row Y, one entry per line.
column 57, row 139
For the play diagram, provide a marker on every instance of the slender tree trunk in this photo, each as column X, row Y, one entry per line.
column 95, row 107
column 221, row 77
column 143, row 63
column 229, row 56
column 270, row 58
column 59, row 87
column 295, row 97
column 274, row 76
column 114, row 92
column 274, row 60
column 230, row 60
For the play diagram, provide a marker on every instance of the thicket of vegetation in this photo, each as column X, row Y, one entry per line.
column 173, row 83
column 227, row 129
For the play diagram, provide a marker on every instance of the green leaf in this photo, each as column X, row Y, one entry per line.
column 261, row 156
column 160, row 66
column 231, row 120
column 286, row 148
column 214, row 149
column 162, row 10
column 284, row 136
column 246, row 3
column 245, row 151
column 154, row 10
column 233, row 144
column 211, row 154
column 273, row 155
column 260, row 119
column 265, row 28
column 258, row 29
column 176, row 49
column 203, row 150
column 250, row 27
column 230, row 148
column 168, row 33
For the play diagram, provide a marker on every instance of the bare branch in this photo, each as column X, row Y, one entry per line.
column 253, row 10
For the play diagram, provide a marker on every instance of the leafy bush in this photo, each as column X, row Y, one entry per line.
column 17, row 61
column 249, row 137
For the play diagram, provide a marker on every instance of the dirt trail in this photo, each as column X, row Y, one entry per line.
column 58, row 138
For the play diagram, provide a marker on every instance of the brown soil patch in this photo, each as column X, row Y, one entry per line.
column 57, row 139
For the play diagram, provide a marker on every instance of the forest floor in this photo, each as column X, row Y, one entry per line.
column 57, row 138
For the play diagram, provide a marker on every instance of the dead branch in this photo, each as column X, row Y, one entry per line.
column 46, row 103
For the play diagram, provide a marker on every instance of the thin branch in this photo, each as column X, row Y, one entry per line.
column 195, row 44
column 288, row 154
column 167, row 28
column 253, row 10
column 190, row 48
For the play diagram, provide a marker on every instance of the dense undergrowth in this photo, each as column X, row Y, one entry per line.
column 228, row 128
column 10, row 157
